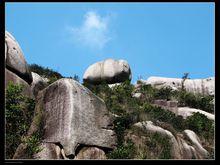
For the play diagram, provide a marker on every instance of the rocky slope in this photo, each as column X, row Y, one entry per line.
column 102, row 120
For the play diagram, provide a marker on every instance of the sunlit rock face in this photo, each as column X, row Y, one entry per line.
column 15, row 60
column 109, row 71
column 72, row 116
column 203, row 86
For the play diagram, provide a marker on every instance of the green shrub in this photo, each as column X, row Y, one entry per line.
column 33, row 144
column 201, row 125
column 49, row 73
column 163, row 93
column 18, row 112
column 120, row 125
column 164, row 151
column 195, row 101
column 124, row 151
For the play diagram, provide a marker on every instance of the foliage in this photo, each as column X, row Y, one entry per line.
column 201, row 125
column 18, row 111
column 49, row 73
column 159, row 114
column 130, row 110
column 45, row 72
column 161, row 145
column 195, row 101
column 123, row 151
column 32, row 143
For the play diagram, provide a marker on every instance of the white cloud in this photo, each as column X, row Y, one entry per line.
column 94, row 31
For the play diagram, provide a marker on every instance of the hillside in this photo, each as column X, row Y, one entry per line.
column 49, row 116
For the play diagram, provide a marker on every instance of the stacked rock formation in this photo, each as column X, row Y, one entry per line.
column 16, row 69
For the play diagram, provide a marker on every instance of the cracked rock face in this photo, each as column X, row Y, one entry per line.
column 15, row 60
column 73, row 115
column 111, row 71
column 202, row 86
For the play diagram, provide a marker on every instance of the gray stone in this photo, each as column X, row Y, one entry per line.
column 72, row 116
column 15, row 60
column 202, row 86
column 38, row 83
column 186, row 112
column 196, row 143
column 87, row 153
column 111, row 71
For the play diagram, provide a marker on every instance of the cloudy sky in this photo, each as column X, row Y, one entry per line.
column 157, row 39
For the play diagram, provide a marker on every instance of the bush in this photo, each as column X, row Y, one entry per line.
column 46, row 72
column 124, row 151
column 196, row 101
column 201, row 125
column 163, row 93
column 18, row 112
column 160, row 114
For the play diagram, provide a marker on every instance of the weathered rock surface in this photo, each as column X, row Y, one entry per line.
column 186, row 112
column 149, row 126
column 181, row 148
column 202, row 86
column 90, row 153
column 196, row 143
column 15, row 60
column 111, row 71
column 10, row 76
column 38, row 83
column 73, row 115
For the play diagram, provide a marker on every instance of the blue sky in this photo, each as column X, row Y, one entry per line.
column 157, row 39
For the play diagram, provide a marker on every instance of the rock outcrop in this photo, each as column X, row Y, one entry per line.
column 15, row 61
column 183, row 146
column 72, row 116
column 38, row 83
column 90, row 153
column 202, row 86
column 196, row 143
column 186, row 112
column 110, row 71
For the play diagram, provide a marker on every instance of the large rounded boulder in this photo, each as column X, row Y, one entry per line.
column 110, row 71
column 15, row 60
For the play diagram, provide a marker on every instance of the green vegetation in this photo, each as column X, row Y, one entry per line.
column 195, row 101
column 127, row 109
column 49, row 73
column 200, row 124
column 32, row 143
column 183, row 97
column 131, row 110
column 45, row 72
column 123, row 151
column 19, row 112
